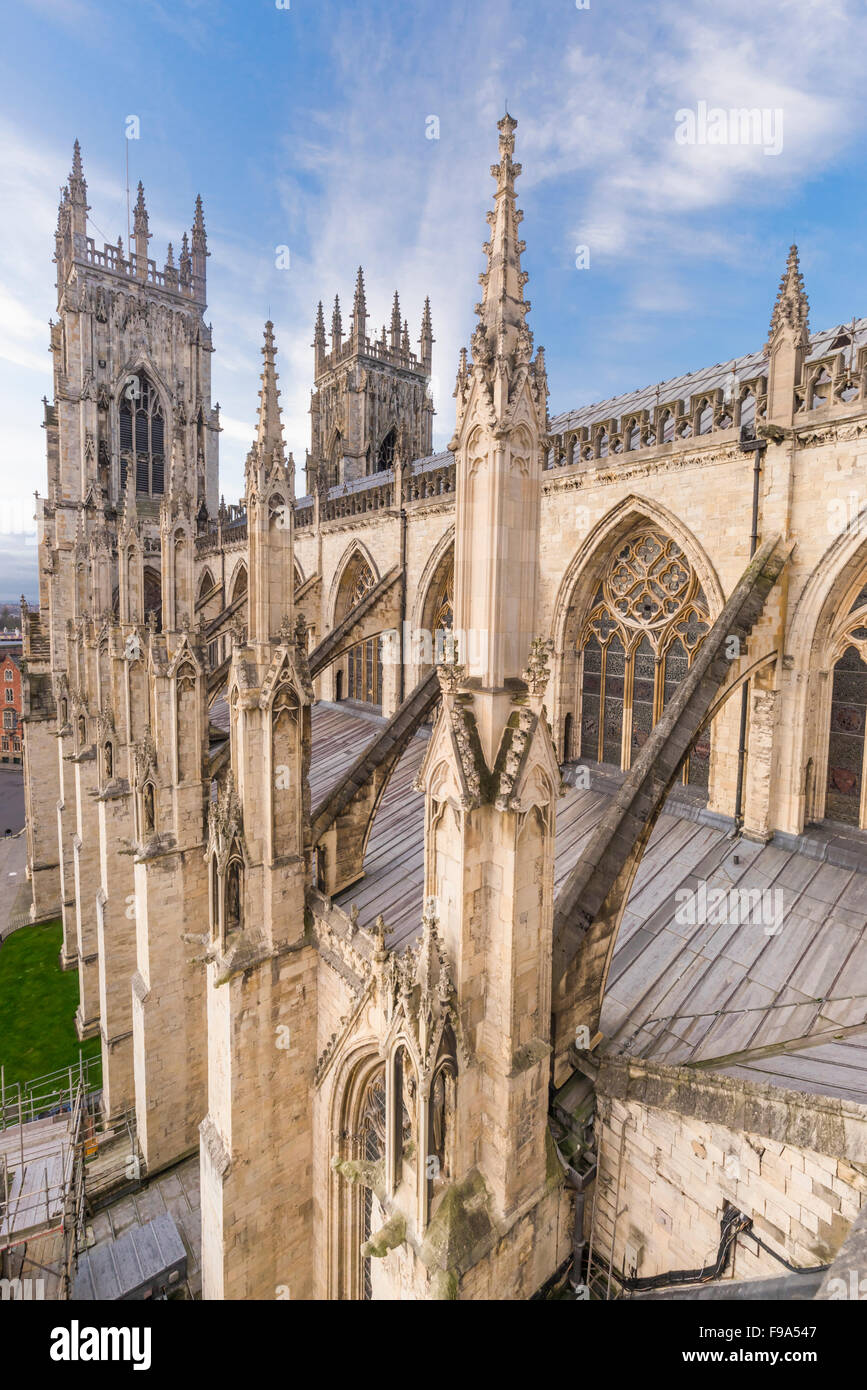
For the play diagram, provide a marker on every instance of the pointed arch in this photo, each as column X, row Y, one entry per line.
column 826, row 614
column 608, row 666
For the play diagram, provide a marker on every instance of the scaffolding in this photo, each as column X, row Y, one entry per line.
column 45, row 1128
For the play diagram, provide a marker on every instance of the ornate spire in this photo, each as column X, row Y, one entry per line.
column 200, row 252
column 336, row 325
column 141, row 234
column 77, row 184
column 319, row 341
column 319, row 326
column 359, row 310
column 269, row 431
column 503, row 307
column 792, row 307
column 395, row 324
column 426, row 339
column 186, row 264
column 140, row 216
column 200, row 237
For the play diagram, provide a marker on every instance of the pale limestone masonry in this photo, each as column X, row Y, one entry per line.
column 374, row 1122
column 683, row 1147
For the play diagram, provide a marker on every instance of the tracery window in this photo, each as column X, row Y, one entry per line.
column 372, row 1143
column 444, row 608
column 364, row 661
column 845, row 791
column 647, row 620
column 385, row 453
column 142, row 437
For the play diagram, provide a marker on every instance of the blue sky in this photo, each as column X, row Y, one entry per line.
column 306, row 127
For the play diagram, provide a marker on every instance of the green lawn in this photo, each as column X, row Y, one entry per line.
column 37, row 1006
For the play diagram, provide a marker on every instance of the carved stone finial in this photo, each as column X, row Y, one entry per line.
column 450, row 672
column 792, row 307
column 536, row 675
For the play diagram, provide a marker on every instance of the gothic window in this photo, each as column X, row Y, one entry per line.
column 372, row 1144
column 332, row 467
column 667, row 427
column 7, row 674
column 844, row 797
column 646, row 622
column 153, row 598
column 284, row 752
column 64, row 711
column 385, row 453
column 633, row 438
column 215, row 894
column 149, row 809
column 239, row 588
column 444, row 616
column 705, row 418
column 142, row 437
column 602, row 445
column 364, row 661
column 234, row 894
column 108, row 762
column 82, row 731
column 819, row 390
column 748, row 411
column 404, row 1101
column 9, row 719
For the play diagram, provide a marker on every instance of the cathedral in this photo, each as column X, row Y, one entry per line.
column 465, row 856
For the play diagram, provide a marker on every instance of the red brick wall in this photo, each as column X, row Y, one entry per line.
column 10, row 739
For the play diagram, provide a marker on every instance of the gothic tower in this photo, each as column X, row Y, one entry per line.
column 371, row 395
column 132, row 461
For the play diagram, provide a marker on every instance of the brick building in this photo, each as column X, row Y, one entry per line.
column 10, row 683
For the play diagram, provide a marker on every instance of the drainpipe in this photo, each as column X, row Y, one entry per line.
column 757, row 447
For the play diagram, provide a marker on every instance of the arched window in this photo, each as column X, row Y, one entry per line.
column 364, row 661
column 215, row 898
column 64, row 711
column 332, row 467
column 82, row 731
column 820, row 390
column 372, row 1137
column 108, row 762
column 667, row 427
column 153, row 598
column 239, row 588
column 149, row 815
column 748, row 411
column 142, row 437
column 633, row 438
column 385, row 453
column 403, row 1111
column 234, row 894
column 647, row 620
column 705, row 418
column 602, row 444
column 844, row 798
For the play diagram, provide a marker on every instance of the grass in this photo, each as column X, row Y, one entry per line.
column 38, row 1001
